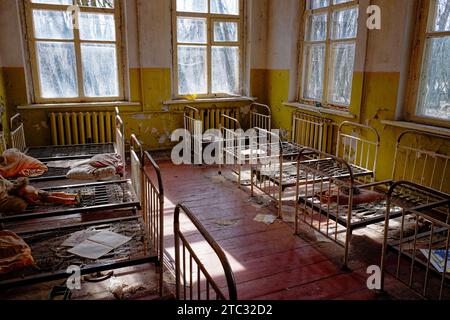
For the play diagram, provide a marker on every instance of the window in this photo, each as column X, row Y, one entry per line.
column 74, row 50
column 429, row 98
column 208, row 47
column 328, row 52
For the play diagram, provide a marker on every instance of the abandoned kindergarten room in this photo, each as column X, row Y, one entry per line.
column 225, row 150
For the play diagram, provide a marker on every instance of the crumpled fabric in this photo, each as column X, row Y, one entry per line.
column 15, row 254
column 108, row 160
column 9, row 202
column 14, row 163
column 100, row 167
column 340, row 198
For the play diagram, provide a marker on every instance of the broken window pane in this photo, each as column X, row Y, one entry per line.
column 342, row 64
column 314, row 71
column 225, row 70
column 49, row 24
column 192, row 6
column 100, row 73
column 191, row 30
column 225, row 31
column 317, row 27
column 57, row 69
column 442, row 22
column 192, row 70
column 345, row 23
column 434, row 94
column 94, row 26
column 316, row 4
column 108, row 4
column 225, row 7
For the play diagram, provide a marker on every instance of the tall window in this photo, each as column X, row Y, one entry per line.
column 74, row 49
column 208, row 47
column 431, row 64
column 329, row 47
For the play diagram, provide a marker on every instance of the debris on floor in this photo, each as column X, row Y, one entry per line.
column 265, row 218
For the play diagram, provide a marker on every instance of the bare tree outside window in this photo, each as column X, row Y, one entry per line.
column 208, row 47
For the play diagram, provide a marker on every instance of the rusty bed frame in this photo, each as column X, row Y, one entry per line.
column 273, row 161
column 235, row 146
column 69, row 152
column 150, row 222
column 408, row 256
column 193, row 280
column 96, row 196
column 413, row 160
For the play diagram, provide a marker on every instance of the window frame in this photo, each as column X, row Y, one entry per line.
column 210, row 19
column 33, row 61
column 328, row 42
column 424, row 10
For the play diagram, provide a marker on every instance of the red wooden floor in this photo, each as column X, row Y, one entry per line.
column 269, row 261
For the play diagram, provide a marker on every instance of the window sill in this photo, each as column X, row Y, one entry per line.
column 78, row 105
column 209, row 100
column 344, row 114
column 418, row 127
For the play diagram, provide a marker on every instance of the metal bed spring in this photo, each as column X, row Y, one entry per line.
column 274, row 170
column 193, row 280
column 424, row 228
column 50, row 153
column 94, row 197
column 52, row 260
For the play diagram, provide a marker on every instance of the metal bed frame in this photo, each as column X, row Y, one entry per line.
column 123, row 194
column 150, row 234
column 273, row 161
column 236, row 145
column 352, row 169
column 193, row 280
column 70, row 152
column 60, row 173
column 426, row 213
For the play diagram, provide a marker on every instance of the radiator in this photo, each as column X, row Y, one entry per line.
column 81, row 128
column 211, row 117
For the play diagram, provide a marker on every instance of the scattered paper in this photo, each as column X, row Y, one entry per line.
column 78, row 237
column 99, row 245
column 264, row 218
column 90, row 250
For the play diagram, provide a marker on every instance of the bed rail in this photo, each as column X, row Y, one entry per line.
column 311, row 130
column 418, row 253
column 259, row 119
column 120, row 136
column 136, row 161
column 419, row 164
column 190, row 266
column 3, row 146
column 153, row 206
column 359, row 147
column 17, row 133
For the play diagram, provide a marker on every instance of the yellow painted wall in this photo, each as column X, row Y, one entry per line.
column 4, row 118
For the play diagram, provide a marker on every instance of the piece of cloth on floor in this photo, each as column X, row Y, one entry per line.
column 14, row 163
column 15, row 254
